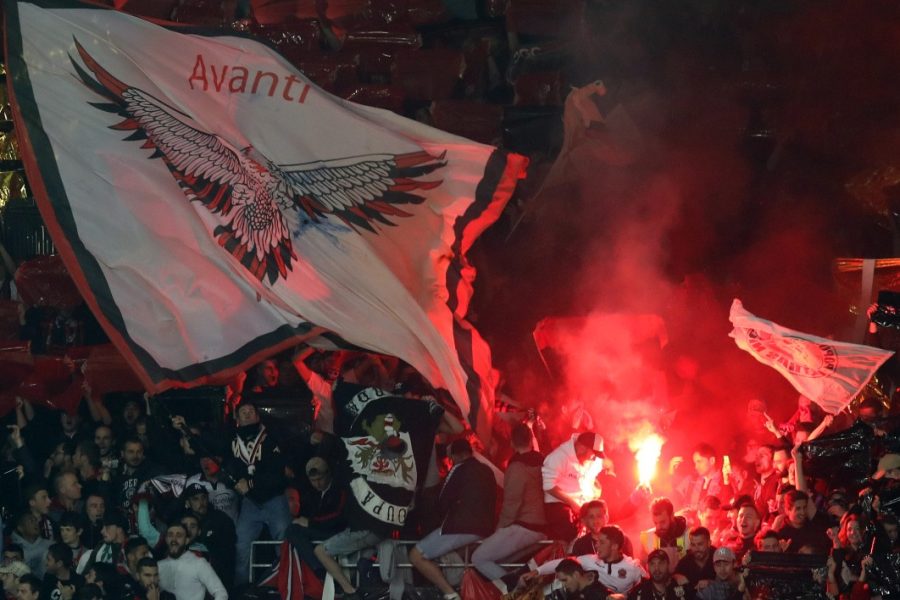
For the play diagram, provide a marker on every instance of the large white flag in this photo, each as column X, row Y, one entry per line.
column 213, row 205
column 828, row 372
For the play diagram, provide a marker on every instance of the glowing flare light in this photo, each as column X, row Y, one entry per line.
column 646, row 454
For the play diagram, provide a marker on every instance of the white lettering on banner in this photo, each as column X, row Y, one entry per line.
column 360, row 399
column 375, row 505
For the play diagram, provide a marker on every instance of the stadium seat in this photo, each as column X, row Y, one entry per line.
column 333, row 72
column 543, row 18
column 295, row 39
column 478, row 121
column 377, row 46
column 377, row 95
column 542, row 88
column 268, row 12
column 157, row 9
column 212, row 13
column 426, row 75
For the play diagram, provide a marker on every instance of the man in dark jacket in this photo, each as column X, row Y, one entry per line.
column 522, row 521
column 216, row 531
column 577, row 583
column 321, row 512
column 697, row 564
column 661, row 585
column 467, row 502
column 257, row 466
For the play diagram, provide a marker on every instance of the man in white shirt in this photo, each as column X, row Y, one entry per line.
column 616, row 571
column 568, row 477
column 320, row 387
column 184, row 573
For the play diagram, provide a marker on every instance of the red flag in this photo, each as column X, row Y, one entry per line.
column 292, row 577
column 106, row 370
column 44, row 281
column 52, row 384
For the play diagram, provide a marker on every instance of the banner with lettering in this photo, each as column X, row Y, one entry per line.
column 213, row 205
column 828, row 372
column 389, row 440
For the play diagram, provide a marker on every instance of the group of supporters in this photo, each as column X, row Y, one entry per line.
column 139, row 505
column 803, row 537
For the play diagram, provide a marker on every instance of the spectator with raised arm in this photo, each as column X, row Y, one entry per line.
column 257, row 464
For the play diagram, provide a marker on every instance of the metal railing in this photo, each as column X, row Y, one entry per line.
column 350, row 562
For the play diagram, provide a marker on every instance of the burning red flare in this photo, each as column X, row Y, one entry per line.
column 646, row 450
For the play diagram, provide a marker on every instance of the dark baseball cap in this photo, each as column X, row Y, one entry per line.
column 193, row 490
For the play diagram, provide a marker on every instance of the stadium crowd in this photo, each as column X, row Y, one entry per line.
column 127, row 498
column 137, row 502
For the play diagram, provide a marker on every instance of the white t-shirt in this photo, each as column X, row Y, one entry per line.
column 619, row 576
column 563, row 470
column 190, row 577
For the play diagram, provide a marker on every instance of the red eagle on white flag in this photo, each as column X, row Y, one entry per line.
column 250, row 192
column 828, row 372
column 214, row 207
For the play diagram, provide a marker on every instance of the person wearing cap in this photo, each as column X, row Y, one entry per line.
column 568, row 475
column 888, row 467
column 10, row 574
column 614, row 570
column 728, row 584
column 220, row 496
column 321, row 512
column 257, row 465
column 217, row 532
column 661, row 585
column 466, row 502
column 111, row 550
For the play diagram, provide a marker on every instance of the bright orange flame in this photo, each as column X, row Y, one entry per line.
column 646, row 454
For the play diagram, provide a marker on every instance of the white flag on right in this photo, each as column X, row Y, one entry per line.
column 828, row 372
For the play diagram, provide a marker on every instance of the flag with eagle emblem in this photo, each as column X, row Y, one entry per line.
column 214, row 206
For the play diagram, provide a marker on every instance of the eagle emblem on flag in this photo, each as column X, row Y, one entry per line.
column 251, row 194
